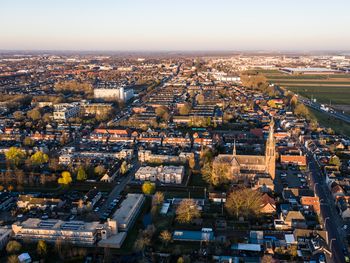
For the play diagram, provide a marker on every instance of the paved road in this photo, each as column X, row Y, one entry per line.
column 331, row 219
column 317, row 106
column 119, row 187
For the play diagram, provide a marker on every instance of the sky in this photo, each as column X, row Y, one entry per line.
column 166, row 25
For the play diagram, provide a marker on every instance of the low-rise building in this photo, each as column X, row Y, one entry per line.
column 64, row 111
column 74, row 232
column 128, row 211
column 164, row 174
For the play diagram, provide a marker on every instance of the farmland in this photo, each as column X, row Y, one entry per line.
column 326, row 89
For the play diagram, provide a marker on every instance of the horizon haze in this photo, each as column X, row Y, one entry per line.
column 182, row 26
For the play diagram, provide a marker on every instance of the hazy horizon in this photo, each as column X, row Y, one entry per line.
column 181, row 26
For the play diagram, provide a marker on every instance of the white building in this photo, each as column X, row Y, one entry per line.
column 164, row 174
column 128, row 211
column 75, row 232
column 64, row 111
column 119, row 93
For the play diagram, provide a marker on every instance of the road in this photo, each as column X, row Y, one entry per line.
column 331, row 219
column 317, row 106
column 124, row 180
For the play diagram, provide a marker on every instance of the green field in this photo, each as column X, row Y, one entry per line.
column 324, row 94
column 329, row 122
column 333, row 88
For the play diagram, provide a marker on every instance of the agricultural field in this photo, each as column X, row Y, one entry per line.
column 326, row 89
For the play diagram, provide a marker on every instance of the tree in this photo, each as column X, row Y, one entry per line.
column 39, row 158
column 162, row 112
column 99, row 170
column 334, row 160
column 165, row 237
column 13, row 247
column 302, row 110
column 15, row 155
column 148, row 188
column 200, row 98
column 244, row 202
column 12, row 259
column 192, row 162
column 124, row 167
column 217, row 173
column 187, row 211
column 28, row 141
column 47, row 117
column 65, row 179
column 158, row 199
column 41, row 248
column 34, row 114
column 185, row 109
column 81, row 174
column 18, row 115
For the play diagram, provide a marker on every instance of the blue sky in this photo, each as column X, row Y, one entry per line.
column 175, row 24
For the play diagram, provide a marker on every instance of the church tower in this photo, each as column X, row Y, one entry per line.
column 270, row 152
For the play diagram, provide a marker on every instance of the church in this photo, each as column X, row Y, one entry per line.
column 251, row 165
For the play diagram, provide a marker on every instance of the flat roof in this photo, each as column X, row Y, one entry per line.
column 309, row 69
column 53, row 224
column 246, row 247
column 127, row 209
column 186, row 235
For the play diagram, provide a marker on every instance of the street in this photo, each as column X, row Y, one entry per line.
column 329, row 214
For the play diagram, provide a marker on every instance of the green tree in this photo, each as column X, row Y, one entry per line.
column 39, row 158
column 41, row 248
column 81, row 174
column 187, row 211
column 124, row 167
column 148, row 188
column 65, row 179
column 244, row 202
column 334, row 160
column 13, row 247
column 15, row 155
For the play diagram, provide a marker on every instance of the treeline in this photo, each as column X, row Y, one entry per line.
column 74, row 86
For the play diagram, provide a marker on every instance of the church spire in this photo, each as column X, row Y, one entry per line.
column 234, row 148
column 271, row 130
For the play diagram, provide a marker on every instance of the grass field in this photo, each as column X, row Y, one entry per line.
column 337, row 125
column 323, row 94
column 333, row 88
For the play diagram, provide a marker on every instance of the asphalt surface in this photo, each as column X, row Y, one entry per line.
column 317, row 106
column 124, row 180
column 331, row 219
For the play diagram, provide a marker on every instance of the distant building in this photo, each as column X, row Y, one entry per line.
column 309, row 71
column 64, row 111
column 112, row 90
